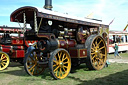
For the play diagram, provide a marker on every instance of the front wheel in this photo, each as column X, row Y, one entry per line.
column 4, row 60
column 31, row 65
column 60, row 64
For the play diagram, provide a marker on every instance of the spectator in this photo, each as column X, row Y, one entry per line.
column 116, row 51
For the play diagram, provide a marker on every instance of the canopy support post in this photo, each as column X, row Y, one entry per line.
column 24, row 16
column 35, row 22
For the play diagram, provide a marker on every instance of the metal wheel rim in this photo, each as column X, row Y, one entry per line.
column 98, row 53
column 61, row 64
column 4, row 61
column 32, row 66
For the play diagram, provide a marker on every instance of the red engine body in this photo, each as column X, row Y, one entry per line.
column 14, row 46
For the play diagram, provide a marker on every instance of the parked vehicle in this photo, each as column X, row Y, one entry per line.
column 62, row 41
column 120, row 38
column 12, row 46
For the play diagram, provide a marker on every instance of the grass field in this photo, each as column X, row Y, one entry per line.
column 115, row 74
column 124, row 56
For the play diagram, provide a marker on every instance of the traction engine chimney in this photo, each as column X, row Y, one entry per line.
column 48, row 4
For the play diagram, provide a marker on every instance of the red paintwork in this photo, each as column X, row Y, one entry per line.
column 66, row 43
column 17, row 42
column 14, row 30
column 71, row 43
column 83, row 52
column 5, row 48
column 73, row 53
column 78, row 53
column 20, row 53
column 62, row 44
column 28, row 41
column 17, row 47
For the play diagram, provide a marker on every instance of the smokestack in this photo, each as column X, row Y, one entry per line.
column 48, row 4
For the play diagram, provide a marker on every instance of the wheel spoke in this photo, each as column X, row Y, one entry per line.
column 55, row 62
column 2, row 57
column 63, row 57
column 96, row 41
column 100, row 42
column 102, row 54
column 33, row 70
column 4, row 60
column 31, row 64
column 29, row 61
column 56, row 72
column 35, row 57
column 97, row 64
column 2, row 64
column 92, row 53
column 59, row 55
column 101, row 47
column 31, row 58
column 54, row 65
column 63, row 68
column 56, row 68
column 93, row 57
column 32, row 67
column 65, row 62
column 92, row 49
column 61, row 72
column 93, row 45
column 101, row 61
column 94, row 62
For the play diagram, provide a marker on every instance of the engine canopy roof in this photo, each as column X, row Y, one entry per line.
column 17, row 16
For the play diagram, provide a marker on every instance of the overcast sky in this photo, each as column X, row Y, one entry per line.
column 106, row 10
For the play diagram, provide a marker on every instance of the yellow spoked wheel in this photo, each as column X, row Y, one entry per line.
column 4, row 60
column 60, row 64
column 31, row 65
column 96, row 52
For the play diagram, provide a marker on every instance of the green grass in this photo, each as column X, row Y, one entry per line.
column 124, row 56
column 115, row 74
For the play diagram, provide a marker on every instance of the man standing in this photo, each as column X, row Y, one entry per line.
column 116, row 51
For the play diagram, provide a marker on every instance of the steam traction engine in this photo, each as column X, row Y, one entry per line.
column 63, row 41
column 12, row 46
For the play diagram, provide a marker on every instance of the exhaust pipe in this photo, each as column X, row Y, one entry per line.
column 48, row 4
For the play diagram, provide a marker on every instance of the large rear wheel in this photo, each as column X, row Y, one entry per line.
column 4, row 60
column 96, row 52
column 60, row 64
column 31, row 65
